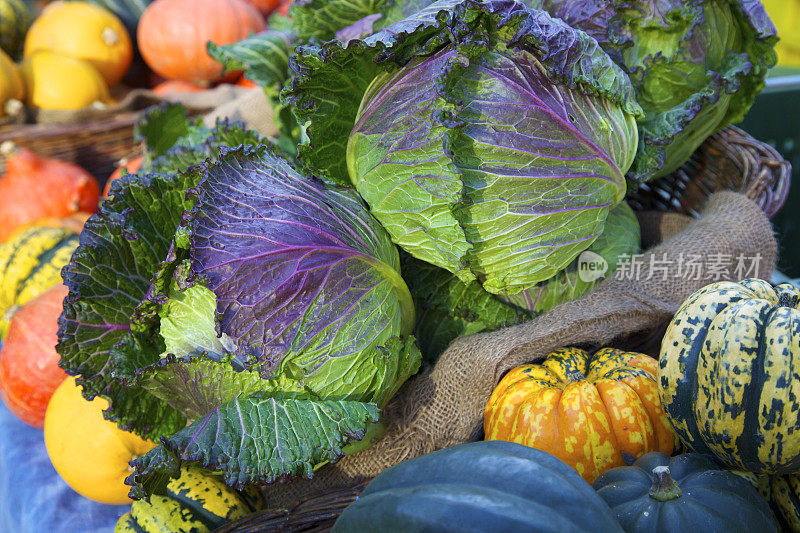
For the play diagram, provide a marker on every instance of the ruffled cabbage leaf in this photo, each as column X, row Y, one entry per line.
column 264, row 58
column 254, row 438
column 696, row 65
column 489, row 139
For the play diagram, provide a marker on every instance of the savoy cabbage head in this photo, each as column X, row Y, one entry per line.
column 697, row 65
column 489, row 139
column 251, row 318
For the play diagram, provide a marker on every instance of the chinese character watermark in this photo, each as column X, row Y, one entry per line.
column 695, row 267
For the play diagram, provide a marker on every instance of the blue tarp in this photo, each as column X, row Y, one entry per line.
column 33, row 498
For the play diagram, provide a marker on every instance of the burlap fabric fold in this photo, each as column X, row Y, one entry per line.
column 443, row 405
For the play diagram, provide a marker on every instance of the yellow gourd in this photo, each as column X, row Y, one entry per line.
column 84, row 31
column 90, row 453
column 11, row 86
column 55, row 81
column 786, row 16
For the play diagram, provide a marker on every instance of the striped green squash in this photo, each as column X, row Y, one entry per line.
column 31, row 263
column 15, row 18
column 783, row 495
column 729, row 375
column 196, row 502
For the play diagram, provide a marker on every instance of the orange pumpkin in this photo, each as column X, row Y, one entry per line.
column 247, row 84
column 172, row 35
column 35, row 187
column 265, row 6
column 168, row 87
column 283, row 8
column 592, row 412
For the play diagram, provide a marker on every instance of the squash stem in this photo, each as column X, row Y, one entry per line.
column 576, row 376
column 787, row 299
column 664, row 487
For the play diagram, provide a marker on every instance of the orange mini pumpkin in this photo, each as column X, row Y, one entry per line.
column 592, row 412
column 172, row 35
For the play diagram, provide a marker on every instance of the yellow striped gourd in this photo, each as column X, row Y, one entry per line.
column 196, row 502
column 783, row 495
column 30, row 263
column 729, row 375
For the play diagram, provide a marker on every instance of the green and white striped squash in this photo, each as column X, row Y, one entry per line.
column 15, row 18
column 729, row 375
column 31, row 263
column 196, row 502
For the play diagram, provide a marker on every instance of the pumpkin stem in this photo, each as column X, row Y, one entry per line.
column 787, row 299
column 8, row 149
column 576, row 376
column 664, row 487
column 110, row 36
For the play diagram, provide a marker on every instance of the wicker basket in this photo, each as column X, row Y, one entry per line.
column 97, row 139
column 728, row 160
column 96, row 146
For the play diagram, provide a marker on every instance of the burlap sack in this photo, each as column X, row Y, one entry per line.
column 443, row 405
column 252, row 108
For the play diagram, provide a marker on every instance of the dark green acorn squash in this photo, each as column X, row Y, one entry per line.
column 484, row 486
column 659, row 493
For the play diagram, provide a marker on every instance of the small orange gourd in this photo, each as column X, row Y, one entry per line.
column 35, row 187
column 173, row 34
column 265, row 6
column 592, row 412
column 131, row 166
column 170, row 87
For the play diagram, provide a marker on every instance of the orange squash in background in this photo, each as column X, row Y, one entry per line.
column 265, row 6
column 592, row 412
column 130, row 166
column 29, row 371
column 35, row 187
column 172, row 36
column 168, row 87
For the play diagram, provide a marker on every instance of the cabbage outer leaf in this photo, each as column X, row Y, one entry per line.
column 447, row 308
column 256, row 440
column 321, row 19
column 121, row 248
column 264, row 58
column 621, row 237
